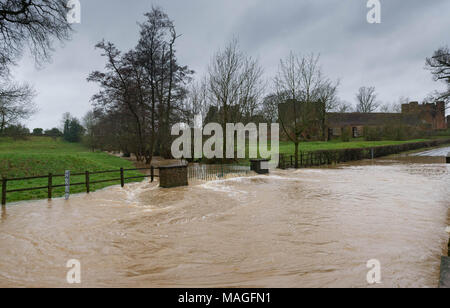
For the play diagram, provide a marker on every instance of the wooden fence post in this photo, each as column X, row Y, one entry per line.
column 4, row 181
column 50, row 186
column 122, row 181
column 87, row 182
column 152, row 173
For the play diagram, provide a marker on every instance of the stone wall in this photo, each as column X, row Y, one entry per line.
column 423, row 116
column 173, row 176
column 433, row 114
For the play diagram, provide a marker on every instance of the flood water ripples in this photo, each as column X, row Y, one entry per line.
column 292, row 228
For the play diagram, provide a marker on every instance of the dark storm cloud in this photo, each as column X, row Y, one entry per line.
column 389, row 56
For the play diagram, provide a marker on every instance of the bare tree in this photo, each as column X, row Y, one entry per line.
column 394, row 107
column 252, row 89
column 269, row 109
column 234, row 84
column 307, row 93
column 197, row 102
column 343, row 107
column 326, row 102
column 122, row 90
column 16, row 103
column 142, row 90
column 89, row 123
column 36, row 23
column 439, row 65
column 367, row 100
column 166, row 80
column 385, row 108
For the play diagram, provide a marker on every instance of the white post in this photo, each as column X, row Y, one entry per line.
column 67, row 183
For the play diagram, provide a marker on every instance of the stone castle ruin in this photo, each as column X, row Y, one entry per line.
column 425, row 117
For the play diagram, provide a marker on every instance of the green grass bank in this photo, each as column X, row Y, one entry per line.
column 38, row 156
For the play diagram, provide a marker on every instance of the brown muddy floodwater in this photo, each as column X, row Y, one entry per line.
column 293, row 228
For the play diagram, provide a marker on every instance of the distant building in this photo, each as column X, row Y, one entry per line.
column 430, row 116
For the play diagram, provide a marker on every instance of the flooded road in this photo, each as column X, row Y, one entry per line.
column 292, row 228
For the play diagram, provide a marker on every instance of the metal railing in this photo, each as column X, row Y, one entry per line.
column 216, row 172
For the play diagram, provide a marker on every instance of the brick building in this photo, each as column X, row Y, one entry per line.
column 424, row 116
column 430, row 116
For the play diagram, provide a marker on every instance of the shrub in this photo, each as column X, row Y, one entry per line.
column 17, row 132
column 373, row 133
column 346, row 134
column 54, row 133
column 38, row 132
column 73, row 131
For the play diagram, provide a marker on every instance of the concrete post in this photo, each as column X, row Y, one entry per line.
column 173, row 176
column 260, row 166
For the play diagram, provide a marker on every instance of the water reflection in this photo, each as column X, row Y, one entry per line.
column 3, row 213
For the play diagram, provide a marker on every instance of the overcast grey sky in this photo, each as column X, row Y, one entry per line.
column 389, row 56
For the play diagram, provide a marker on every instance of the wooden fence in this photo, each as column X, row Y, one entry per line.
column 329, row 157
column 87, row 182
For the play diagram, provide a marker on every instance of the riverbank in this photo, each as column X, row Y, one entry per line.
column 39, row 156
column 328, row 157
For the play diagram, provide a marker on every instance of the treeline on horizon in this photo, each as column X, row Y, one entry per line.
column 145, row 90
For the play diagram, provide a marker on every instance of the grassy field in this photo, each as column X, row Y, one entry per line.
column 40, row 155
column 289, row 148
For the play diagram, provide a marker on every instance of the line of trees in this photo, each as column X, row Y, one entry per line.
column 145, row 90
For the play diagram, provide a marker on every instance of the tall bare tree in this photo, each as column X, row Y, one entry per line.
column 308, row 95
column 326, row 102
column 439, row 65
column 16, row 103
column 143, row 89
column 235, row 84
column 197, row 102
column 367, row 100
column 123, row 91
column 166, row 79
